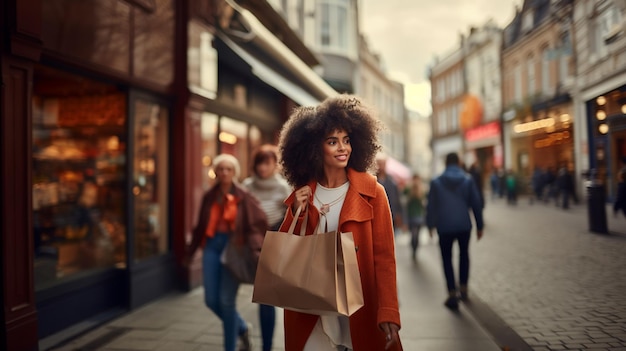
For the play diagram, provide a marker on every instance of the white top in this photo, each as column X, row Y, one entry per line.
column 334, row 198
column 337, row 328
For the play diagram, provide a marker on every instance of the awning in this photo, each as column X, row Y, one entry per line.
column 397, row 170
column 273, row 46
column 306, row 87
column 271, row 77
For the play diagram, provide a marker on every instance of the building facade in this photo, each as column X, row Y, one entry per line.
column 600, row 37
column 112, row 112
column 373, row 85
column 448, row 91
column 538, row 84
column 331, row 29
column 480, row 114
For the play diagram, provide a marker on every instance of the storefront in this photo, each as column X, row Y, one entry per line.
column 100, row 109
column 546, row 142
column 607, row 135
column 100, row 198
column 483, row 147
column 112, row 112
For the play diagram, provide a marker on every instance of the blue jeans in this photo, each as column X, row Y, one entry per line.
column 220, row 290
column 446, row 240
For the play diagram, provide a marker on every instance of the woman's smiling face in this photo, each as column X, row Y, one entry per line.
column 337, row 149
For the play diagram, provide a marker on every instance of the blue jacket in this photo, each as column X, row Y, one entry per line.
column 450, row 198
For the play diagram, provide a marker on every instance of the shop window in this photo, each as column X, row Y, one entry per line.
column 150, row 179
column 201, row 61
column 208, row 127
column 255, row 140
column 78, row 196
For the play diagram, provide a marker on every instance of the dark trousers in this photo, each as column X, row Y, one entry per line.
column 446, row 240
column 267, row 316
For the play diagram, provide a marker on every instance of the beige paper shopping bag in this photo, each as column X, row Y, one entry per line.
column 316, row 274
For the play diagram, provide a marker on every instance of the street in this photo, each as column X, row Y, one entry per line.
column 557, row 285
column 539, row 281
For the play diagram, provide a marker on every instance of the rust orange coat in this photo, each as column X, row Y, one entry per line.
column 366, row 214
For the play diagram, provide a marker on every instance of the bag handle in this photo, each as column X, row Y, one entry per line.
column 292, row 227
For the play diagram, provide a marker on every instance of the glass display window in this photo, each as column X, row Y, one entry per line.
column 150, row 179
column 208, row 127
column 201, row 61
column 78, row 196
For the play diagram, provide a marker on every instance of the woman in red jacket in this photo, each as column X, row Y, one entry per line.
column 228, row 211
column 326, row 154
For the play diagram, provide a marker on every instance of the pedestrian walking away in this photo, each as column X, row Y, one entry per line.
column 227, row 210
column 271, row 189
column 326, row 154
column 451, row 197
column 620, row 198
column 415, row 211
column 565, row 187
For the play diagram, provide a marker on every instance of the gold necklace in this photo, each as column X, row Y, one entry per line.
column 325, row 208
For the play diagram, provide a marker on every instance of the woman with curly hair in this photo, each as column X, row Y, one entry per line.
column 327, row 153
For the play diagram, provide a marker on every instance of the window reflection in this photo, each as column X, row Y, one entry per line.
column 209, row 146
column 79, row 145
column 202, row 61
column 150, row 178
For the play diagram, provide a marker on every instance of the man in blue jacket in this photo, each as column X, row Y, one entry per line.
column 451, row 196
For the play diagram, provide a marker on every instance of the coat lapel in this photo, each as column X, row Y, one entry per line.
column 356, row 206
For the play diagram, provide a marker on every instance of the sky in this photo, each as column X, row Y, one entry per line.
column 409, row 34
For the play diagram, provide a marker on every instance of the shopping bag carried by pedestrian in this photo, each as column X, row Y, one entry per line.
column 316, row 274
column 240, row 260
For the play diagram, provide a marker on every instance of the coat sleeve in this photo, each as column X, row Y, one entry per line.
column 197, row 233
column 476, row 204
column 384, row 259
column 289, row 217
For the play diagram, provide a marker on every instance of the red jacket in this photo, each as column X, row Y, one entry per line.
column 250, row 222
column 366, row 214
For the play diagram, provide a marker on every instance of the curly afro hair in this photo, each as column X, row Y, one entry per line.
column 302, row 136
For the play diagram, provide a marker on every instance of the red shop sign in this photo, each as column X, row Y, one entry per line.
column 485, row 131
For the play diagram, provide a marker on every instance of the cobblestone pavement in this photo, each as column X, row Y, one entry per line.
column 557, row 285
